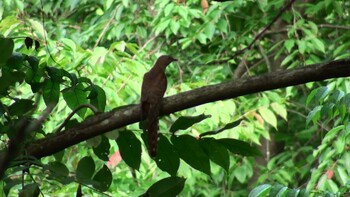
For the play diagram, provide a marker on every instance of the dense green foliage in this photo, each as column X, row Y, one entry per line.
column 94, row 53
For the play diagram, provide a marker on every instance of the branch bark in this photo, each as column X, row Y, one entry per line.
column 123, row 116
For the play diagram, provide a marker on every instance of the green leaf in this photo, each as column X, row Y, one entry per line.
column 6, row 48
column 293, row 193
column 191, row 152
column 347, row 102
column 278, row 190
column 311, row 96
column 54, row 73
column 30, row 190
column 167, row 158
column 184, row 122
column 228, row 126
column 303, row 193
column 85, row 169
column 8, row 79
column 260, row 191
column 102, row 150
column 321, row 93
column 183, row 12
column 174, row 26
column 21, row 107
column 209, row 30
column 268, row 116
column 69, row 45
column 263, row 5
column 318, row 44
column 222, row 25
column 280, row 110
column 130, row 148
column 103, row 179
column 314, row 115
column 341, row 174
column 15, row 61
column 327, row 109
column 288, row 59
column 301, row 46
column 216, row 151
column 289, row 45
column 239, row 147
column 336, row 96
column 340, row 144
column 51, row 92
column 99, row 101
column 33, row 62
column 162, row 26
column 334, row 132
column 74, row 97
column 58, row 169
column 168, row 9
column 171, row 186
column 202, row 38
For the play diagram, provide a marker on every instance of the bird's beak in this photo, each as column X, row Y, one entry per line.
column 174, row 59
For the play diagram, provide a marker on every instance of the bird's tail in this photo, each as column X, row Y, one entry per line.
column 152, row 130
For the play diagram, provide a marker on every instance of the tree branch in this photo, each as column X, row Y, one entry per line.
column 123, row 116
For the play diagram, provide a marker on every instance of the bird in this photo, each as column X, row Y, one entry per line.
column 153, row 87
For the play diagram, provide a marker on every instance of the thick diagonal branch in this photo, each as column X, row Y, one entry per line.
column 126, row 115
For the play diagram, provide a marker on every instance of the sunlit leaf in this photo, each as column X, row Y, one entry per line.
column 289, row 45
column 268, row 116
column 280, row 110
column 260, row 191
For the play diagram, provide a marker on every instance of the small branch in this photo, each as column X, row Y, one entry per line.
column 144, row 46
column 267, row 61
column 106, row 27
column 334, row 26
column 23, row 128
column 93, row 108
column 259, row 35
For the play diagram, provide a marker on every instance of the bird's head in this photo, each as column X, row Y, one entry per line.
column 165, row 60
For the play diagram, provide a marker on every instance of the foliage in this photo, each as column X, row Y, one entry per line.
column 94, row 53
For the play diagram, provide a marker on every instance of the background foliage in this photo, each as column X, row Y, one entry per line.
column 96, row 53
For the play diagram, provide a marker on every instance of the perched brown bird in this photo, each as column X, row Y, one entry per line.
column 153, row 88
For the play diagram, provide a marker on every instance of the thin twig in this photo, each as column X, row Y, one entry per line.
column 106, row 27
column 144, row 46
column 93, row 108
column 267, row 61
column 334, row 26
column 259, row 35
column 44, row 31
